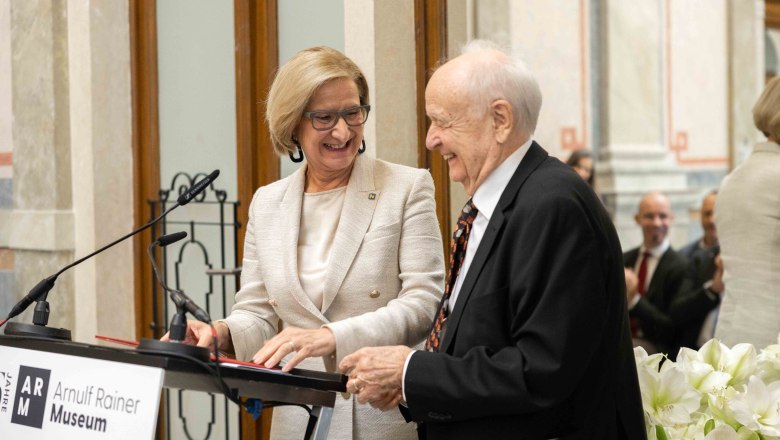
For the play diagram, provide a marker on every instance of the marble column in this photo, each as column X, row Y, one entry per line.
column 746, row 32
column 72, row 163
column 101, row 149
column 7, row 297
column 40, row 225
column 379, row 37
column 633, row 155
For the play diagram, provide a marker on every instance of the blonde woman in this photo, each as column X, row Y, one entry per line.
column 345, row 252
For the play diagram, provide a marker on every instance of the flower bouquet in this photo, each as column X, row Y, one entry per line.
column 716, row 393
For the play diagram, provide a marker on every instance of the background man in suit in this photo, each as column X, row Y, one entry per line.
column 654, row 277
column 532, row 339
column 695, row 310
column 710, row 238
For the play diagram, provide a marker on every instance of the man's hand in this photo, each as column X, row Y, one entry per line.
column 375, row 374
column 717, row 285
column 305, row 343
column 632, row 286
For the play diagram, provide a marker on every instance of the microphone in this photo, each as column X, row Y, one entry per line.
column 178, row 328
column 41, row 290
column 165, row 240
column 197, row 188
column 179, row 298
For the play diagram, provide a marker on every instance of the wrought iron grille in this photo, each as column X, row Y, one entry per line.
column 212, row 243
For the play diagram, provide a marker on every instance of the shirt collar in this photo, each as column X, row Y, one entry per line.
column 658, row 250
column 487, row 195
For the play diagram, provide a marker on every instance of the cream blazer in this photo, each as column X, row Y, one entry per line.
column 383, row 286
column 747, row 215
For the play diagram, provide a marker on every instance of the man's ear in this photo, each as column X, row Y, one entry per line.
column 503, row 119
column 636, row 218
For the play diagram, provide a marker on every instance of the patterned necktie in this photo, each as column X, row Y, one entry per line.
column 641, row 279
column 458, row 251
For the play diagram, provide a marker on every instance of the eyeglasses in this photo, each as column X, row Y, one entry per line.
column 325, row 120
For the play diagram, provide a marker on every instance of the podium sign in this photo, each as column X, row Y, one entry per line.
column 47, row 395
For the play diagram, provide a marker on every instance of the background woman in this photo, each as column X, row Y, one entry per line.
column 582, row 162
column 747, row 217
column 345, row 252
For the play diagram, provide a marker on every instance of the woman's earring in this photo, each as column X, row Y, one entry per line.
column 362, row 149
column 299, row 158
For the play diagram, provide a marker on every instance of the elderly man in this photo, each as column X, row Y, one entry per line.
column 531, row 340
column 654, row 278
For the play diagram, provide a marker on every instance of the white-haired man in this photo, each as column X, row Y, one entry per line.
column 532, row 338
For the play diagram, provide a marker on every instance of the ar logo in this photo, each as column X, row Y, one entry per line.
column 30, row 400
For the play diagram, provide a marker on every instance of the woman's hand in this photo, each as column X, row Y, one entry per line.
column 305, row 343
column 199, row 333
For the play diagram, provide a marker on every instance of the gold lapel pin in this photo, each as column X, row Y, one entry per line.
column 371, row 196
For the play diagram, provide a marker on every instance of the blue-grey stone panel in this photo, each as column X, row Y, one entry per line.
column 6, row 193
column 7, row 296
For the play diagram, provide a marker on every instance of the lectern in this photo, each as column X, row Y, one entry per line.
column 305, row 387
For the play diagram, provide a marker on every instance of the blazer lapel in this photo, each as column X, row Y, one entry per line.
column 290, row 224
column 359, row 204
column 533, row 158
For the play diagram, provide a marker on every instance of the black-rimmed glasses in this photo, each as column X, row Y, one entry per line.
column 325, row 120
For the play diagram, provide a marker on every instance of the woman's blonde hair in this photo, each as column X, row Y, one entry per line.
column 294, row 85
column 766, row 112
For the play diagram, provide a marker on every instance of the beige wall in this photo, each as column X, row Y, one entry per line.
column 72, row 170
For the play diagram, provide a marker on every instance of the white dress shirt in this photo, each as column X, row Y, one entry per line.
column 485, row 198
column 320, row 216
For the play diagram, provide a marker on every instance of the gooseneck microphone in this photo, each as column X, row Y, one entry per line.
column 179, row 298
column 197, row 188
column 178, row 328
column 41, row 290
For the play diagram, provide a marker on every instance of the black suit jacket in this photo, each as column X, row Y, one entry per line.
column 653, row 310
column 538, row 344
column 691, row 307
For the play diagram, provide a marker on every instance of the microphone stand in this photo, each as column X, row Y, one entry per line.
column 41, row 290
column 178, row 328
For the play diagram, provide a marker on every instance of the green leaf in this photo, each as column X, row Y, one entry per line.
column 660, row 434
column 709, row 426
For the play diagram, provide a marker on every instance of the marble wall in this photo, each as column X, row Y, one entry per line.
column 379, row 37
column 70, row 123
column 657, row 89
column 6, row 147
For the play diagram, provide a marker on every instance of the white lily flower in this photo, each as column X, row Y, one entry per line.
column 643, row 360
column 667, row 398
column 739, row 363
column 723, row 432
column 758, row 407
column 733, row 393
column 692, row 431
column 720, row 409
column 769, row 363
column 700, row 373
